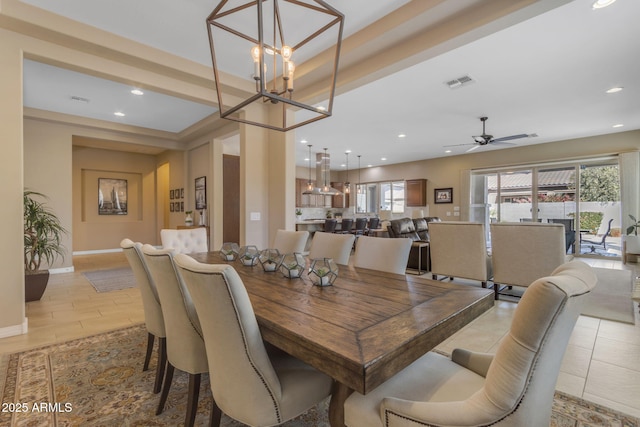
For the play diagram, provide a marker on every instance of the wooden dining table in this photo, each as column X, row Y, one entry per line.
column 364, row 328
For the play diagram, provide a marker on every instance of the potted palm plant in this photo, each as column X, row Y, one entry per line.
column 42, row 242
column 632, row 240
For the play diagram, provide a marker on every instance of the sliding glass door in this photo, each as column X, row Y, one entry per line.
column 584, row 197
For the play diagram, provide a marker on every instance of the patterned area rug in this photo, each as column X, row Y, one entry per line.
column 99, row 381
column 111, row 280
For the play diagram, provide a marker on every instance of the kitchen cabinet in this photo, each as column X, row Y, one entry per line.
column 340, row 200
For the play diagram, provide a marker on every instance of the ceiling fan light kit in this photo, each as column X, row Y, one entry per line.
column 275, row 34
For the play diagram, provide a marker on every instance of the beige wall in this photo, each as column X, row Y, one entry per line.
column 11, row 166
column 92, row 231
column 446, row 171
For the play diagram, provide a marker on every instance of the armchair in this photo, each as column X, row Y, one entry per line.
column 459, row 249
column 513, row 388
column 525, row 251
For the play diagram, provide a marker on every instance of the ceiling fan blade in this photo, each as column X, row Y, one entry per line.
column 459, row 145
column 504, row 143
column 475, row 146
column 509, row 138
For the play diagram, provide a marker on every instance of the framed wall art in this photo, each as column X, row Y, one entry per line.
column 201, row 193
column 112, row 196
column 443, row 195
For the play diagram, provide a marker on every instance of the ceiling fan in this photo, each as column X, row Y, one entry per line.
column 486, row 139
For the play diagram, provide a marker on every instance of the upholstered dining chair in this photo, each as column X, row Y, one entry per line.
column 522, row 252
column 249, row 383
column 185, row 345
column 153, row 318
column 330, row 245
column 288, row 242
column 459, row 249
column 360, row 226
column 346, row 226
column 514, row 387
column 184, row 241
column 382, row 254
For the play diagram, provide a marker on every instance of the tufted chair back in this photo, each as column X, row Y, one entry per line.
column 184, row 241
column 511, row 389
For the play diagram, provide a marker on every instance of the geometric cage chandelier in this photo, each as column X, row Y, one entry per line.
column 261, row 46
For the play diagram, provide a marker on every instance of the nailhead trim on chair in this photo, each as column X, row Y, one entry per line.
column 246, row 349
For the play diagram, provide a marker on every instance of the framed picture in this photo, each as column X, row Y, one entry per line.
column 201, row 193
column 181, row 206
column 171, row 207
column 112, row 196
column 171, row 194
column 182, row 193
column 443, row 195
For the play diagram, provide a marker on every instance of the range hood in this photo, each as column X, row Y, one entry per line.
column 323, row 174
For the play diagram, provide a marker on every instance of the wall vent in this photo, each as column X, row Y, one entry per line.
column 459, row 82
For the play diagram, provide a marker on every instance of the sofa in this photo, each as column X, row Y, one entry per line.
column 406, row 228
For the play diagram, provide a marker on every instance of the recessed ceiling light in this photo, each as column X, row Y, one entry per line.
column 615, row 89
column 137, row 92
column 343, row 165
column 119, row 114
column 303, row 141
column 347, row 151
column 447, row 151
column 369, row 166
column 599, row 4
column 619, row 125
column 383, row 158
column 402, row 135
column 306, row 160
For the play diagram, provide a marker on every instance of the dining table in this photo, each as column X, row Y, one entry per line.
column 364, row 328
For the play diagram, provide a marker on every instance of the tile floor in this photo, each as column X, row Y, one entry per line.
column 602, row 363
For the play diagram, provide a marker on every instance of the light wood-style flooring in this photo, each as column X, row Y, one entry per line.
column 602, row 363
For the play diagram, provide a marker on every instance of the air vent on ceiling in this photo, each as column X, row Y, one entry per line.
column 459, row 82
column 79, row 99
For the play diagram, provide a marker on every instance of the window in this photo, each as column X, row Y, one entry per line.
column 383, row 196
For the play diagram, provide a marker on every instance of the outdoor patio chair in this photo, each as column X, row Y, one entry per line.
column 602, row 242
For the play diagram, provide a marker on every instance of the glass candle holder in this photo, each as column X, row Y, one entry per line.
column 248, row 255
column 270, row 260
column 292, row 265
column 323, row 272
column 229, row 251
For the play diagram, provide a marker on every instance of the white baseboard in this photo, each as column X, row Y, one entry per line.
column 61, row 270
column 11, row 331
column 98, row 251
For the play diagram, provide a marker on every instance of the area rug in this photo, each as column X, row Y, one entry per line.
column 111, row 280
column 98, row 381
column 611, row 298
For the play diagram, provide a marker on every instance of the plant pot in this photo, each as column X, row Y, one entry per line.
column 632, row 244
column 35, row 284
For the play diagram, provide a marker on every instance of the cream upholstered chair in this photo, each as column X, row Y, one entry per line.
column 288, row 242
column 185, row 345
column 522, row 252
column 185, row 241
column 249, row 384
column 153, row 318
column 382, row 254
column 459, row 249
column 513, row 388
column 330, row 245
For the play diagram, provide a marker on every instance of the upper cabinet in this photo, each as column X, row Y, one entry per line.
column 416, row 192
